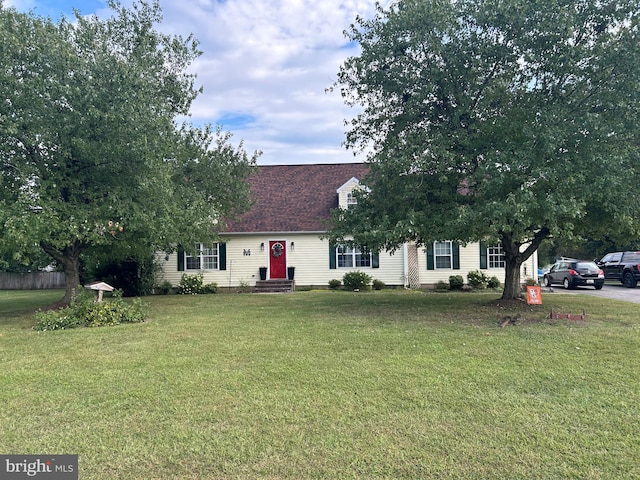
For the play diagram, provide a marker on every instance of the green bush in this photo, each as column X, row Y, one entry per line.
column 478, row 279
column 136, row 312
column 102, row 314
column 57, row 320
column 442, row 285
column 84, row 311
column 191, row 284
column 378, row 284
column 210, row 288
column 493, row 282
column 164, row 288
column 456, row 282
column 334, row 284
column 356, row 281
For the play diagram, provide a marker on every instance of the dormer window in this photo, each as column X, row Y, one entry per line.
column 351, row 200
column 346, row 197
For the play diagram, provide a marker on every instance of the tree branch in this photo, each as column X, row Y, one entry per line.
column 538, row 238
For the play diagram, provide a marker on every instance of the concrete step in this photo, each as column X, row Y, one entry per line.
column 275, row 286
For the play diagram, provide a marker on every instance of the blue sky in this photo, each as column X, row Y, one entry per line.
column 264, row 70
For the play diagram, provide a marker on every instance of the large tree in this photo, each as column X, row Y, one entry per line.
column 91, row 149
column 497, row 120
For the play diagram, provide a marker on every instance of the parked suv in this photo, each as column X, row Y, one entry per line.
column 623, row 266
column 572, row 273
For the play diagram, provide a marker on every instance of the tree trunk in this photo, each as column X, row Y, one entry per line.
column 512, row 286
column 513, row 260
column 69, row 257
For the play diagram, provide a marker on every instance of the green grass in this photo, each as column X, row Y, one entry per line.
column 337, row 385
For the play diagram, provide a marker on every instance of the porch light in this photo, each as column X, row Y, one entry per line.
column 292, row 245
column 262, row 247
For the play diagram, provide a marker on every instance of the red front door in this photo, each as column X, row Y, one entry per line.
column 277, row 259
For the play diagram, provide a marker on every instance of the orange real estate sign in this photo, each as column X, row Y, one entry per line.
column 534, row 297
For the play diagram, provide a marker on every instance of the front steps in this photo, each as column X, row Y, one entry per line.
column 275, row 286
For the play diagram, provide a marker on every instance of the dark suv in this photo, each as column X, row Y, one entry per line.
column 572, row 273
column 623, row 266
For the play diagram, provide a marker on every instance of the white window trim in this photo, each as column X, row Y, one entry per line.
column 200, row 248
column 355, row 252
column 436, row 256
column 495, row 260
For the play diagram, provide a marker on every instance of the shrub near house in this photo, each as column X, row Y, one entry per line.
column 356, row 281
column 478, row 279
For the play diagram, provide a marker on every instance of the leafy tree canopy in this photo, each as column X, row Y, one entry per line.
column 91, row 151
column 503, row 120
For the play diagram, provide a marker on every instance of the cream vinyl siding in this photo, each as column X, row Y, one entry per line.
column 310, row 257
column 469, row 262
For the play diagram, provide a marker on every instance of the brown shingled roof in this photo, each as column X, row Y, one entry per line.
column 295, row 198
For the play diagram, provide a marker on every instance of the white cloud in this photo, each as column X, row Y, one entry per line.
column 264, row 71
column 271, row 62
column 22, row 5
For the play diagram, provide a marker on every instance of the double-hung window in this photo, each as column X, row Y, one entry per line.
column 204, row 258
column 495, row 256
column 443, row 254
column 348, row 257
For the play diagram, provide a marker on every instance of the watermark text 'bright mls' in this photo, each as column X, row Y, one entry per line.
column 49, row 467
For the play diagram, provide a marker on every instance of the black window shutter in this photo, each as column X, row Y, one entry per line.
column 180, row 259
column 332, row 257
column 222, row 253
column 375, row 260
column 430, row 262
column 483, row 255
column 456, row 255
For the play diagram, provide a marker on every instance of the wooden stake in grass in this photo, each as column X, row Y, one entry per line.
column 509, row 320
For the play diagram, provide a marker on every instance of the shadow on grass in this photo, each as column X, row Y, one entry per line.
column 17, row 308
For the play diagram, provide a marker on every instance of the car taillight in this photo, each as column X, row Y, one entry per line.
column 601, row 273
column 572, row 272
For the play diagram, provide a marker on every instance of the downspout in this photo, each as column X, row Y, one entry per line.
column 405, row 265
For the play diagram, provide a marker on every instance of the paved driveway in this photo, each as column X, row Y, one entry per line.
column 612, row 289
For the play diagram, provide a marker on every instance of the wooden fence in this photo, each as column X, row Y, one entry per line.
column 31, row 281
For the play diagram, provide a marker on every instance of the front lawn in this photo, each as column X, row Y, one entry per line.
column 385, row 384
